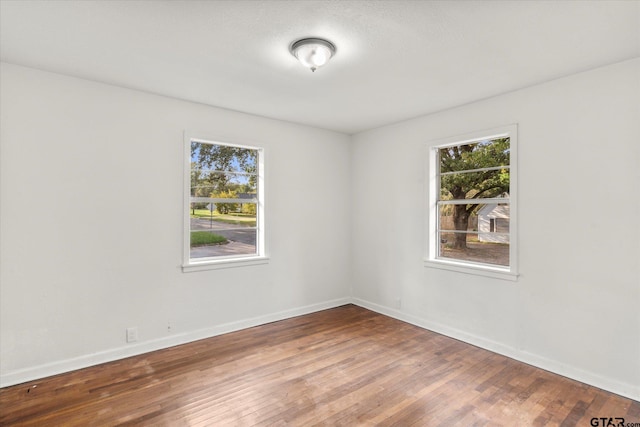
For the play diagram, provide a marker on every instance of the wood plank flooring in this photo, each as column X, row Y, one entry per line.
column 341, row 367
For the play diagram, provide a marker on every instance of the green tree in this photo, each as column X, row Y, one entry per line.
column 200, row 186
column 222, row 171
column 249, row 209
column 472, row 185
column 225, row 208
column 222, row 161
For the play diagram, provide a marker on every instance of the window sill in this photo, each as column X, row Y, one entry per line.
column 474, row 269
column 216, row 264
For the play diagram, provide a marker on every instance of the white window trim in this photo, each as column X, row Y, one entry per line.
column 202, row 264
column 431, row 259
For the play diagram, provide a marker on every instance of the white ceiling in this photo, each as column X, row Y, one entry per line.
column 395, row 59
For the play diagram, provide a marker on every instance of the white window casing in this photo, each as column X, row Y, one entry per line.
column 432, row 257
column 222, row 260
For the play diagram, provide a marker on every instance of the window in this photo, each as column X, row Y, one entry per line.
column 223, row 205
column 472, row 185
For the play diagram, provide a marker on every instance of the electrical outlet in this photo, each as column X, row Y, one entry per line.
column 132, row 334
column 398, row 303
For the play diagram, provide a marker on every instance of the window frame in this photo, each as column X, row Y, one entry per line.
column 431, row 258
column 212, row 263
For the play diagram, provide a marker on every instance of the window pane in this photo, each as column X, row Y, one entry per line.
column 224, row 167
column 224, row 157
column 477, row 155
column 483, row 218
column 469, row 185
column 474, row 249
column 477, row 233
column 224, row 185
column 215, row 234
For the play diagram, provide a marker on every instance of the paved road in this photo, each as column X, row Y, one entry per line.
column 241, row 241
column 247, row 236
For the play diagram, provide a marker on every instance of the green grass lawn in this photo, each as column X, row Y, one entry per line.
column 201, row 238
column 236, row 218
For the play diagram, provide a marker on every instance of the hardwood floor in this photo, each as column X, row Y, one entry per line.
column 344, row 366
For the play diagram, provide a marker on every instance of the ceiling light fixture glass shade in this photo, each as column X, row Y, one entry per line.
column 313, row 53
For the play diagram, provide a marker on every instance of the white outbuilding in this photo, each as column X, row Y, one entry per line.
column 493, row 223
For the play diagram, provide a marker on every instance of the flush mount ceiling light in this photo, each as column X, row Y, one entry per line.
column 313, row 53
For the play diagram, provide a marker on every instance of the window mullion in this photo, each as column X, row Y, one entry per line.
column 493, row 168
column 491, row 201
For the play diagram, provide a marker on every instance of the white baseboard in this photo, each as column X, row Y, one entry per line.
column 61, row 366
column 34, row 373
column 623, row 389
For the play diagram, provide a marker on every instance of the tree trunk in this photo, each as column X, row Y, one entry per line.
column 461, row 222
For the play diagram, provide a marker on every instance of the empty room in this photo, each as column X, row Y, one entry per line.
column 239, row 213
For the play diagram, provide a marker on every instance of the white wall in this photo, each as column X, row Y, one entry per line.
column 575, row 307
column 91, row 224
